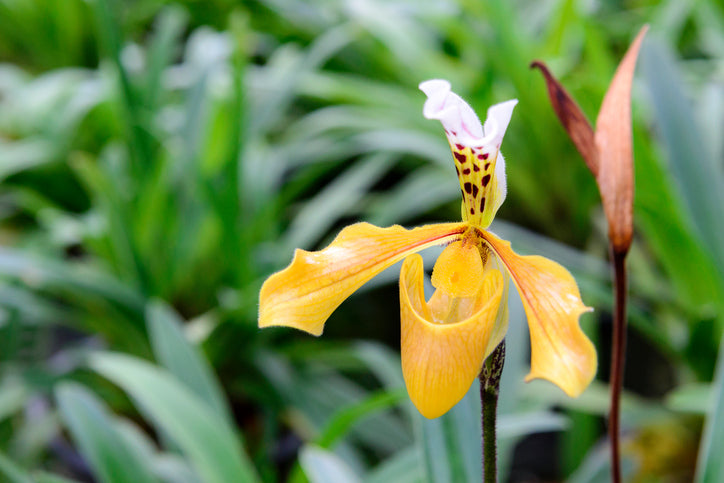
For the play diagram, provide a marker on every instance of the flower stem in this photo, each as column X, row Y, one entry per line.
column 489, row 388
column 618, row 354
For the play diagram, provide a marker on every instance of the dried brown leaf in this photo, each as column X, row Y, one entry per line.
column 614, row 146
column 572, row 118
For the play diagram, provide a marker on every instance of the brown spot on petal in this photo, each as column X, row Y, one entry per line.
column 466, row 171
column 475, row 191
column 460, row 146
column 476, row 168
column 460, row 157
column 486, row 180
column 482, row 204
column 468, row 188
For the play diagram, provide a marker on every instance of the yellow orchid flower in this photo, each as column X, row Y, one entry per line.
column 446, row 339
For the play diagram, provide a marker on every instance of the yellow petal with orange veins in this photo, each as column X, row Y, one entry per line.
column 441, row 361
column 305, row 294
column 560, row 351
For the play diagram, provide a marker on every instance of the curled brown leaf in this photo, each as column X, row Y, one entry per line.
column 615, row 150
column 572, row 118
column 607, row 151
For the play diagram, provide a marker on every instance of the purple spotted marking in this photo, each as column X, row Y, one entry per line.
column 468, row 187
column 466, row 171
column 482, row 204
column 460, row 146
column 460, row 157
column 475, row 191
column 476, row 168
column 486, row 180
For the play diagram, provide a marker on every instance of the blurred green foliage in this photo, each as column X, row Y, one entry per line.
column 159, row 159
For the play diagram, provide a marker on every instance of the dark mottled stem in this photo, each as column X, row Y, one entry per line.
column 489, row 388
column 618, row 353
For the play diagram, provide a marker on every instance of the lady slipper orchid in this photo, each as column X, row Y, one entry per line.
column 446, row 339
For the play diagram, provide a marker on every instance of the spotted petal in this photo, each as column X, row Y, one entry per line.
column 305, row 294
column 476, row 148
column 441, row 360
column 560, row 351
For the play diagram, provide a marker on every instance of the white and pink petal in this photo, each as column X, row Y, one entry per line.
column 476, row 149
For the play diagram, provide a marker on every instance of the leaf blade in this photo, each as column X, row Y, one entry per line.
column 93, row 430
column 202, row 435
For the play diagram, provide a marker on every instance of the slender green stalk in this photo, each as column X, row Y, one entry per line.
column 618, row 354
column 489, row 388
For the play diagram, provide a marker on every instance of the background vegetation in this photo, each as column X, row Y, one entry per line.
column 159, row 159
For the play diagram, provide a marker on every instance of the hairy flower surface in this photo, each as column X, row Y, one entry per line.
column 446, row 339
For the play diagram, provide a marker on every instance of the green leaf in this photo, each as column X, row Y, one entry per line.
column 595, row 400
column 405, row 466
column 47, row 272
column 94, row 431
column 691, row 398
column 322, row 466
column 596, row 468
column 43, row 477
column 347, row 417
column 710, row 466
column 167, row 33
column 419, row 193
column 522, row 423
column 317, row 391
column 202, row 434
column 451, row 443
column 336, row 200
column 25, row 154
column 382, row 361
column 698, row 177
column 12, row 472
column 13, row 396
column 183, row 360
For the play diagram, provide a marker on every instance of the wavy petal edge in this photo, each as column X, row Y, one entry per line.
column 560, row 351
column 305, row 294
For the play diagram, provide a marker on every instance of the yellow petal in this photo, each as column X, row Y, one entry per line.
column 560, row 351
column 305, row 294
column 501, row 322
column 458, row 270
column 441, row 361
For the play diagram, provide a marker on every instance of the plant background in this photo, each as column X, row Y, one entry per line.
column 159, row 159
